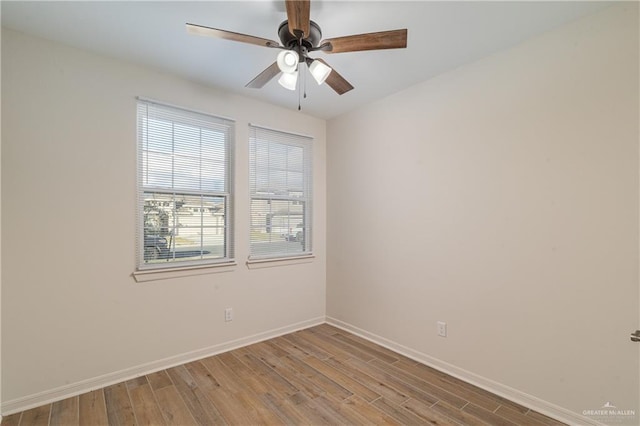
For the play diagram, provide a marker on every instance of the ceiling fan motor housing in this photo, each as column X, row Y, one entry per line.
column 291, row 42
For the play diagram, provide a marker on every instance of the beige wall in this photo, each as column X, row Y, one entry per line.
column 502, row 198
column 71, row 311
column 0, row 236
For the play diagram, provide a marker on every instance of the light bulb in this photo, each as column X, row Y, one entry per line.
column 288, row 61
column 289, row 80
column 319, row 71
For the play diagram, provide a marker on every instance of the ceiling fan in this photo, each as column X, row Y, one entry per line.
column 300, row 36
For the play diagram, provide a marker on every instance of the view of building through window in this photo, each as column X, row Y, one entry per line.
column 183, row 226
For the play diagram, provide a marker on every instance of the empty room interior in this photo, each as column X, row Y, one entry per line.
column 320, row 212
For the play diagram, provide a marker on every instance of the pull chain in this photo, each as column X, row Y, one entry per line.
column 302, row 85
column 299, row 108
column 304, row 78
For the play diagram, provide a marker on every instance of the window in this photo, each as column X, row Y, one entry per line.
column 184, row 187
column 280, row 186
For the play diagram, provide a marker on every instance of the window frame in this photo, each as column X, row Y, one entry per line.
column 227, row 193
column 290, row 139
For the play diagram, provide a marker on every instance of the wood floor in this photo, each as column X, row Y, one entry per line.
column 318, row 376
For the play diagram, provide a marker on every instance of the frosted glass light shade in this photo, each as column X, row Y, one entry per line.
column 288, row 80
column 319, row 71
column 287, row 61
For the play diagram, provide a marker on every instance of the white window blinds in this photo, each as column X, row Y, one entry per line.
column 185, row 205
column 280, row 171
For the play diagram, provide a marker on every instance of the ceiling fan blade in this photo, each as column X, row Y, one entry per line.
column 298, row 15
column 230, row 35
column 264, row 77
column 395, row 39
column 336, row 81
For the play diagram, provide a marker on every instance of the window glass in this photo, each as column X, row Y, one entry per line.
column 185, row 203
column 281, row 198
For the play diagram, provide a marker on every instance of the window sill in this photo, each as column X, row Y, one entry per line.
column 183, row 271
column 279, row 261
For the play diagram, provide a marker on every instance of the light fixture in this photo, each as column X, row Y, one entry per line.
column 288, row 80
column 288, row 61
column 319, row 71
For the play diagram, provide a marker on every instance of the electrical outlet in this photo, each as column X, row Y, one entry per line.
column 442, row 328
column 228, row 314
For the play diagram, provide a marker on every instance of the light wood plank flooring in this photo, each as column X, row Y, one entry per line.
column 318, row 376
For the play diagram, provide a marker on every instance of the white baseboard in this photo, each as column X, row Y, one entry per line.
column 73, row 389
column 529, row 401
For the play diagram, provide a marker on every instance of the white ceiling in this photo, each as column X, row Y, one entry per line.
column 442, row 36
